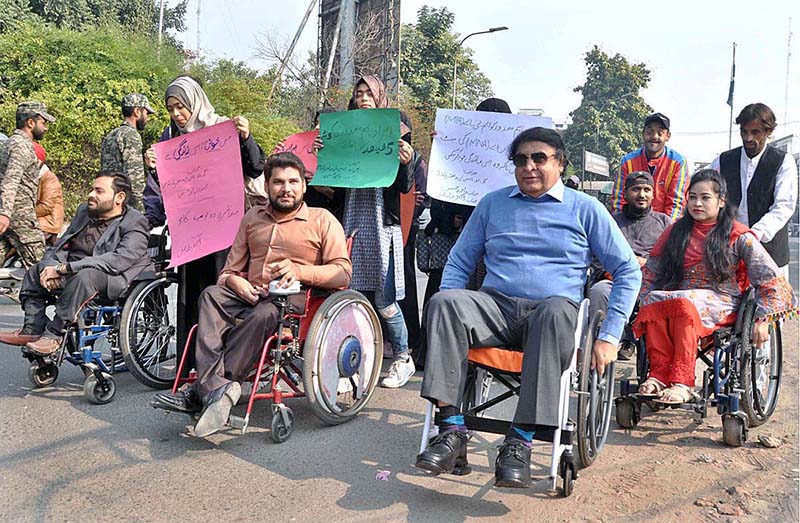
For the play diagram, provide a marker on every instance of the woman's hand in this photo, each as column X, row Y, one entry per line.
column 760, row 332
column 406, row 152
column 242, row 126
column 150, row 157
column 317, row 144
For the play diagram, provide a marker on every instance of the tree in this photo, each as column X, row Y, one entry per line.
column 83, row 75
column 426, row 62
column 609, row 120
column 138, row 16
column 429, row 48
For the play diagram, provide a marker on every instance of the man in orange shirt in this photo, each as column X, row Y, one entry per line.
column 284, row 241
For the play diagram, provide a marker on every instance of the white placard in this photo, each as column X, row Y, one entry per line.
column 469, row 155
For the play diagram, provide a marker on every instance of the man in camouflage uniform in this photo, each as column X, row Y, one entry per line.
column 121, row 150
column 19, row 173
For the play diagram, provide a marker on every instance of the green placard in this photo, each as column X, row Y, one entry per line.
column 360, row 148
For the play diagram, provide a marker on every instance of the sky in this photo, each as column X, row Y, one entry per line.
column 539, row 61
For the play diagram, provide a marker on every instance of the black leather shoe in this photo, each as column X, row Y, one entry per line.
column 186, row 401
column 446, row 453
column 513, row 466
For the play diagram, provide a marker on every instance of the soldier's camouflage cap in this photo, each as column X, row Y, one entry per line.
column 137, row 100
column 32, row 108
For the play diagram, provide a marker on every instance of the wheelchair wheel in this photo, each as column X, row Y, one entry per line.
column 628, row 412
column 567, row 478
column 99, row 392
column 761, row 375
column 147, row 332
column 342, row 357
column 42, row 374
column 281, row 427
column 734, row 430
column 595, row 398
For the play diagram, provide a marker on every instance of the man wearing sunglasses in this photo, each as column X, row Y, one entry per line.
column 537, row 239
column 667, row 166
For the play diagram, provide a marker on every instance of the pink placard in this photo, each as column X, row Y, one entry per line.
column 301, row 144
column 200, row 174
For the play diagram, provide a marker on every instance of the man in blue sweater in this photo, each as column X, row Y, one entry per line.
column 537, row 240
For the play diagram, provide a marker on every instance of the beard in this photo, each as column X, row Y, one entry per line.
column 141, row 123
column 100, row 208
column 38, row 134
column 284, row 208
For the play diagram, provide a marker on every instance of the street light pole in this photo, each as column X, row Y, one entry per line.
column 455, row 59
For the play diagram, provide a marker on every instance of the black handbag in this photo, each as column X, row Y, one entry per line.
column 432, row 251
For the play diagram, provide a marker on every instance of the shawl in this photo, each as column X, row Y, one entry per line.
column 192, row 96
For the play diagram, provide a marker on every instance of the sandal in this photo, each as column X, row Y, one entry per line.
column 651, row 388
column 677, row 394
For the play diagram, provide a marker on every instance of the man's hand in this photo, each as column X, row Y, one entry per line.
column 760, row 333
column 603, row 353
column 50, row 279
column 284, row 269
column 243, row 288
column 242, row 126
column 641, row 261
column 419, row 198
column 4, row 221
column 406, row 152
column 150, row 157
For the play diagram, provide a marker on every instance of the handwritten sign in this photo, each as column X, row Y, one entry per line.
column 301, row 144
column 469, row 155
column 360, row 148
column 203, row 190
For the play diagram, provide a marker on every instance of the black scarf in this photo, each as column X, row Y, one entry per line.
column 634, row 214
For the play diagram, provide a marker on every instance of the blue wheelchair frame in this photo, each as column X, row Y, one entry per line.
column 724, row 381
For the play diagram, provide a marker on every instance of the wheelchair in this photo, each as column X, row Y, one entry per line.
column 595, row 393
column 330, row 353
column 741, row 380
column 11, row 274
column 132, row 333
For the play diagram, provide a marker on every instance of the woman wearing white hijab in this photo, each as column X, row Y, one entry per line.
column 190, row 110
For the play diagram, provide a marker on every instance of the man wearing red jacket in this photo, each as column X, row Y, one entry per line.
column 667, row 166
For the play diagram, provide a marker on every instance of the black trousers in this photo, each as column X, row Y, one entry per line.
column 78, row 289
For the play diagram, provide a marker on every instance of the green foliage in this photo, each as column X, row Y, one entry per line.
column 235, row 89
column 138, row 16
column 426, row 67
column 13, row 13
column 426, row 63
column 610, row 118
column 81, row 76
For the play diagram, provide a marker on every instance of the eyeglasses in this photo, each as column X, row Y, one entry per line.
column 521, row 160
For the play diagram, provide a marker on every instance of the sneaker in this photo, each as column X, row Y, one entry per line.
column 626, row 351
column 399, row 373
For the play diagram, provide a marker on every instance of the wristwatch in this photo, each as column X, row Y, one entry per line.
column 61, row 269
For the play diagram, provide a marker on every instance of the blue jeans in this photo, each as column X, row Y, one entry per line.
column 389, row 309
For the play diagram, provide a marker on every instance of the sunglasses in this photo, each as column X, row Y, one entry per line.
column 521, row 160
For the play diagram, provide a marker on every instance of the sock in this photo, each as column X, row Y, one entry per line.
column 451, row 419
column 523, row 432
